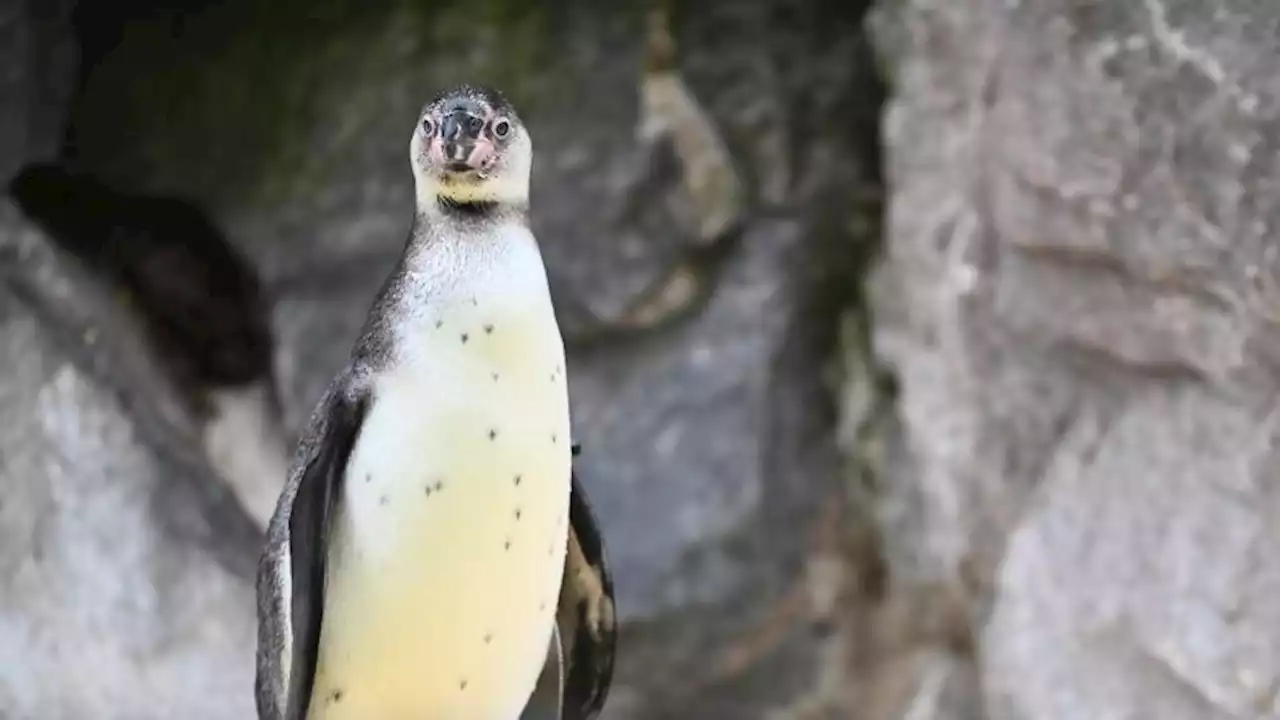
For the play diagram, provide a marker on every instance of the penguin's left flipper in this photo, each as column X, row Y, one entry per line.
column 585, row 616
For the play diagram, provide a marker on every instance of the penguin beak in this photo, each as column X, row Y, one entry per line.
column 463, row 147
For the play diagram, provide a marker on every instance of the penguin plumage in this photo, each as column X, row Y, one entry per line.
column 432, row 554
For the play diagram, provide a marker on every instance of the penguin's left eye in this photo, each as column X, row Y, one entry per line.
column 502, row 128
column 428, row 127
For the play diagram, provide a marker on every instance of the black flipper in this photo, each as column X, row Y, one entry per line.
column 587, row 626
column 312, row 513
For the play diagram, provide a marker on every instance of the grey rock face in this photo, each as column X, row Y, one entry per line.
column 1078, row 298
column 126, row 567
column 1067, row 510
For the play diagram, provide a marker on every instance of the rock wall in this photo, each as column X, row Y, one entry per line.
column 125, row 567
column 1053, row 385
column 1078, row 299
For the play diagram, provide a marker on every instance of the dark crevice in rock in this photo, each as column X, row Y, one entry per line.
column 165, row 257
column 889, row 624
column 167, row 260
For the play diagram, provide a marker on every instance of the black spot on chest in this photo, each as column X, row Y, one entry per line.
column 434, row 487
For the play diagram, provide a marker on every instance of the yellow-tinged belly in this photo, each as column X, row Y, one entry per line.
column 448, row 552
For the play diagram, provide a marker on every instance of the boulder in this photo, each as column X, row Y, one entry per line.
column 1077, row 298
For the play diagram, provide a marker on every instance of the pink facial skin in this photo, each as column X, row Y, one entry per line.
column 481, row 157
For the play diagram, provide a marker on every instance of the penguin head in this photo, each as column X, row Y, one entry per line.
column 470, row 147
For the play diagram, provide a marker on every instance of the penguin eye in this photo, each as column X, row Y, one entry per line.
column 502, row 128
column 428, row 127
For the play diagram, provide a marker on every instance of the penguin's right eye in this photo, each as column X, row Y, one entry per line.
column 428, row 127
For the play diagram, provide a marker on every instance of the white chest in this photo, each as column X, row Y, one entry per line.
column 448, row 553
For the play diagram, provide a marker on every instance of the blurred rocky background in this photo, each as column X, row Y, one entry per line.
column 925, row 356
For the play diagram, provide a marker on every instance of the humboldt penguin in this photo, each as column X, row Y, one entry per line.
column 432, row 555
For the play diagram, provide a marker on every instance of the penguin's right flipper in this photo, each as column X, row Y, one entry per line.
column 312, row 510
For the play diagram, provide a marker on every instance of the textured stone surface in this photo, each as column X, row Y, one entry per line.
column 125, row 569
column 1063, row 506
column 127, row 589
column 1079, row 302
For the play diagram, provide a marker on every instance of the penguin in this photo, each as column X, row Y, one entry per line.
column 432, row 555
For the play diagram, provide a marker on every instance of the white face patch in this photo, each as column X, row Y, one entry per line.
column 507, row 181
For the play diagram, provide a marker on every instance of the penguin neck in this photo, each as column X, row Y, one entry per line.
column 449, row 210
column 463, row 236
column 464, row 211
column 443, row 219
column 463, row 271
column 504, row 193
